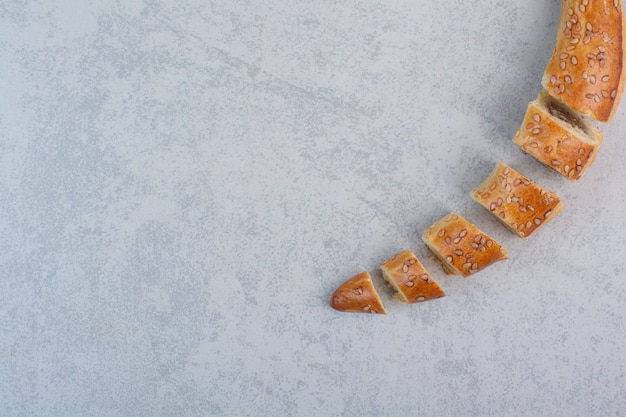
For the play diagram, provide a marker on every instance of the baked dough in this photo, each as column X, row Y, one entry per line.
column 586, row 71
column 357, row 295
column 558, row 137
column 461, row 247
column 523, row 206
column 408, row 277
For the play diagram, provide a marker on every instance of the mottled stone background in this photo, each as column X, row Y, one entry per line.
column 184, row 184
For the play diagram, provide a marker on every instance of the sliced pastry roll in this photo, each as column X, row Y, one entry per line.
column 586, row 71
column 461, row 247
column 558, row 137
column 357, row 295
column 523, row 206
column 408, row 277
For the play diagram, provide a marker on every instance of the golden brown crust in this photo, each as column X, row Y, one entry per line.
column 516, row 201
column 357, row 295
column 406, row 274
column 567, row 149
column 586, row 70
column 461, row 246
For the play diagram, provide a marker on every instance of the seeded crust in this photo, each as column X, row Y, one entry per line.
column 558, row 137
column 462, row 247
column 357, row 295
column 408, row 277
column 586, row 70
column 516, row 201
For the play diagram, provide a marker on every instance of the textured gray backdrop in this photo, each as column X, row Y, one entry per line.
column 184, row 184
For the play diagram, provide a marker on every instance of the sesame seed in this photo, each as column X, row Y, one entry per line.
column 420, row 298
column 548, row 213
column 489, row 243
column 562, row 65
column 474, row 245
column 589, row 96
column 531, row 208
column 467, row 265
column 579, row 162
column 564, row 55
column 441, row 232
column 605, row 78
column 582, row 8
column 553, row 79
column 581, row 151
column 458, row 252
column 405, row 268
column 448, row 240
column 574, row 60
column 592, row 79
column 537, row 221
column 449, row 259
column 463, row 233
column 529, row 225
column 571, row 12
column 556, row 162
column 456, row 240
column 568, row 79
column 548, row 149
column 536, row 131
column 411, row 277
column 588, row 26
column 409, row 283
column 499, row 202
column 533, row 144
column 613, row 93
column 566, row 169
column 425, row 277
column 475, row 266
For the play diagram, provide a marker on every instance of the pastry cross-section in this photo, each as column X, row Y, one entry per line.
column 523, row 206
column 461, row 247
column 558, row 137
column 357, row 295
column 408, row 277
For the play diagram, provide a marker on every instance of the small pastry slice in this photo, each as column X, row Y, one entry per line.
column 461, row 247
column 586, row 71
column 357, row 295
column 520, row 204
column 408, row 277
column 558, row 137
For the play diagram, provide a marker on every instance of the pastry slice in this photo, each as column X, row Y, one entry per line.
column 461, row 247
column 357, row 295
column 558, row 137
column 523, row 206
column 586, row 71
column 408, row 277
